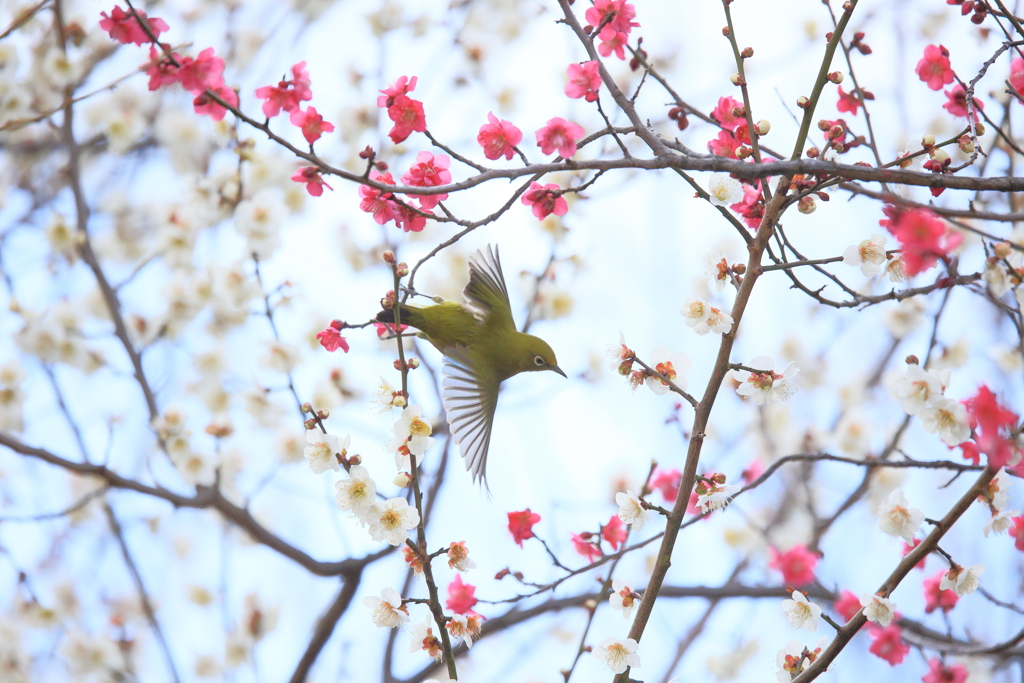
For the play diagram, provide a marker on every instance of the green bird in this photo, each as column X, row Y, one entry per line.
column 482, row 348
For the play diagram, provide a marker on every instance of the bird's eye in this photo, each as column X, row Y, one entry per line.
column 538, row 360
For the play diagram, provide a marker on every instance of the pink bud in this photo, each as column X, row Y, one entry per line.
column 389, row 257
column 402, row 480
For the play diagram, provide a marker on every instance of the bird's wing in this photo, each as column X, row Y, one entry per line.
column 486, row 292
column 469, row 398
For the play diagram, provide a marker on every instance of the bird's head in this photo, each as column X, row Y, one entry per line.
column 537, row 355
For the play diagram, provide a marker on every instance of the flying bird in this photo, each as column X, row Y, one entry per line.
column 482, row 348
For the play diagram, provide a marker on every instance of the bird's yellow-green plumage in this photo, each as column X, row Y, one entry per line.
column 482, row 348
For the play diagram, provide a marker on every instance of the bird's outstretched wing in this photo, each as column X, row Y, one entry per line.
column 486, row 293
column 469, row 398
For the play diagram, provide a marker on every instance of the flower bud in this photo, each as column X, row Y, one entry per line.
column 625, row 368
column 399, row 402
column 725, row 31
column 928, row 141
column 402, row 480
column 398, row 364
column 912, row 360
column 824, row 125
column 966, row 144
column 307, row 408
column 413, row 363
column 737, row 79
column 806, row 205
column 739, row 268
column 979, row 128
column 323, row 414
column 402, row 269
column 381, row 166
column 747, row 53
column 744, row 152
column 835, row 131
column 847, row 6
column 389, row 257
column 907, row 161
column 310, row 423
column 802, row 102
column 762, row 127
column 1002, row 249
column 354, row 460
column 835, row 77
column 739, row 112
column 812, row 153
column 682, row 123
column 940, row 155
column 367, row 153
column 338, row 324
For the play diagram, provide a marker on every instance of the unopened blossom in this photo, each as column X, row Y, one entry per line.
column 498, row 138
column 670, row 365
column 766, row 385
column 800, row 612
column 962, row 580
column 631, row 509
column 878, row 609
column 458, row 557
column 618, row 655
column 584, row 81
column 520, row 525
column 724, row 190
column 887, row 643
column 796, row 564
column 896, row 518
column 623, row 598
column 949, row 419
column 388, row 610
column 461, row 598
column 868, row 254
column 357, row 493
column 423, row 639
column 560, row 135
column 391, row 520
column 1000, row 523
column 320, row 453
column 921, row 388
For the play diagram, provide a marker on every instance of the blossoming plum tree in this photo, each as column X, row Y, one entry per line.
column 180, row 448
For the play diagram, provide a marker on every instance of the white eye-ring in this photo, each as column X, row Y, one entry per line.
column 538, row 360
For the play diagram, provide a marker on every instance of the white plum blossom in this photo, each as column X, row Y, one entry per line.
column 357, row 493
column 896, row 518
column 766, row 385
column 724, row 190
column 795, row 658
column 869, row 255
column 878, row 609
column 671, row 365
column 412, row 434
column 458, row 557
column 631, row 510
column 999, row 489
column 997, row 279
column 962, row 580
column 801, row 613
column 391, row 520
column 387, row 397
column 715, row 495
column 704, row 318
column 853, row 434
column 388, row 610
column 717, row 270
column 617, row 654
column 320, row 453
column 1000, row 522
column 949, row 418
column 906, row 317
column 464, row 627
column 921, row 388
column 423, row 639
column 259, row 220
column 622, row 598
column 280, row 356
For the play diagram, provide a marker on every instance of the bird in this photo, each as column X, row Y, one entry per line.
column 482, row 348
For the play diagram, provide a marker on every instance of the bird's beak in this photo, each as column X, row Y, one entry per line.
column 557, row 369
